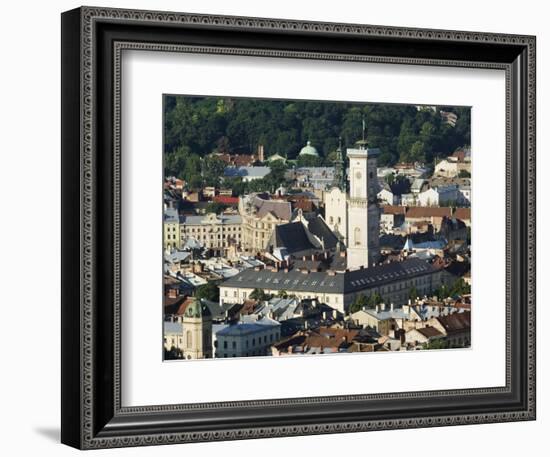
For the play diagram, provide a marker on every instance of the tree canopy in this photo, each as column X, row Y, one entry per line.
column 197, row 126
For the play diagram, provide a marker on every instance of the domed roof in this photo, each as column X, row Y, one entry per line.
column 309, row 150
column 197, row 309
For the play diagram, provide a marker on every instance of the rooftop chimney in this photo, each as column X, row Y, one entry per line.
column 377, row 308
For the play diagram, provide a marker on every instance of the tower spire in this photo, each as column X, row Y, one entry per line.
column 339, row 169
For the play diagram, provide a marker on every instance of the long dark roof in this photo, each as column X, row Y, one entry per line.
column 348, row 282
column 291, row 236
column 321, row 230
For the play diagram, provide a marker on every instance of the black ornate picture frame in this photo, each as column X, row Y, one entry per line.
column 92, row 42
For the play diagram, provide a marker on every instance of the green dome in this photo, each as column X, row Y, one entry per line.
column 197, row 309
column 309, row 150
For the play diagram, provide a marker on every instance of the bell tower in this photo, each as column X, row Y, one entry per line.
column 363, row 210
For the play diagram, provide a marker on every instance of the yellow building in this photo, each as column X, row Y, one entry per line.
column 259, row 218
column 171, row 229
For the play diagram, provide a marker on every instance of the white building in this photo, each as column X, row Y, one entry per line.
column 439, row 196
column 217, row 232
column 464, row 194
column 387, row 197
column 408, row 199
column 453, row 165
column 247, row 339
column 356, row 217
column 363, row 212
column 336, row 211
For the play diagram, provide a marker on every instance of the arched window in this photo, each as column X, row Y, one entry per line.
column 357, row 236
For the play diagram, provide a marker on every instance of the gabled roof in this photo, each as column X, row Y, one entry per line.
column 279, row 208
column 430, row 332
column 318, row 227
column 291, row 236
column 457, row 322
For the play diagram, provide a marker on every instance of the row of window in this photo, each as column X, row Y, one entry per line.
column 265, row 339
column 209, row 229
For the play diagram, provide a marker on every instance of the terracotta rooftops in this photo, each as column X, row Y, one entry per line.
column 394, row 209
column 429, row 332
column 463, row 214
column 415, row 212
column 456, row 322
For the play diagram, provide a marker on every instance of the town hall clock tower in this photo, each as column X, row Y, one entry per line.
column 363, row 243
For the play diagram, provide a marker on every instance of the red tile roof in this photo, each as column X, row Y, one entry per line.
column 463, row 214
column 226, row 200
column 457, row 322
column 416, row 212
column 394, row 209
column 429, row 332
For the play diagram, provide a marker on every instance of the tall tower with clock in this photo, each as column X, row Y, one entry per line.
column 363, row 241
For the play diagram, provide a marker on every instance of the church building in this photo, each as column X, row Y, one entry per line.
column 355, row 216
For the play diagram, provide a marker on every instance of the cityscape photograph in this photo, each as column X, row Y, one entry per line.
column 305, row 227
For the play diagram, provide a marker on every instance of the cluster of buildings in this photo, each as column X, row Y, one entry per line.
column 330, row 263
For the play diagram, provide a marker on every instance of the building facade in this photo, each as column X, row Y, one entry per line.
column 336, row 211
column 259, row 218
column 197, row 331
column 215, row 232
column 247, row 339
column 171, row 229
column 392, row 281
column 363, row 210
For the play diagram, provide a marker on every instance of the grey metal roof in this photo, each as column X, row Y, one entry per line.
column 251, row 172
column 246, row 328
column 348, row 282
column 318, row 227
column 173, row 328
column 223, row 219
column 281, row 209
column 291, row 236
column 171, row 215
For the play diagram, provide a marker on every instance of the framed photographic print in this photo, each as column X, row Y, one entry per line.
column 274, row 227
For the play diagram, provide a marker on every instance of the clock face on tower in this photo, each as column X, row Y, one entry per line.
column 358, row 175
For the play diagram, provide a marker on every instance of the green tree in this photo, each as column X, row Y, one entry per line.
column 358, row 303
column 374, row 299
column 309, row 161
column 213, row 169
column 413, row 293
column 209, row 291
column 459, row 287
column 215, row 207
column 259, row 295
column 437, row 344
